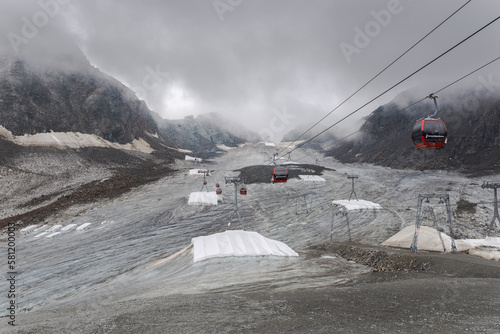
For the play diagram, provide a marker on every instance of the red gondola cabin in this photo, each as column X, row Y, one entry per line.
column 429, row 133
column 280, row 175
column 243, row 191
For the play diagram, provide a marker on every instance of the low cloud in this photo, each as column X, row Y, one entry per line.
column 261, row 56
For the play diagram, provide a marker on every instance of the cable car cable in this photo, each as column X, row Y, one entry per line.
column 413, row 104
column 377, row 75
column 398, row 83
column 454, row 82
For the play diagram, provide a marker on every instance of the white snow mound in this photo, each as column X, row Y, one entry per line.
column 238, row 243
column 357, row 205
column 488, row 254
column 190, row 158
column 203, row 198
column 312, row 178
column 83, row 226
column 428, row 239
column 28, row 228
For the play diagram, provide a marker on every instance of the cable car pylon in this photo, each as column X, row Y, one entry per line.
column 353, row 191
column 236, row 181
column 493, row 185
column 421, row 211
column 205, row 173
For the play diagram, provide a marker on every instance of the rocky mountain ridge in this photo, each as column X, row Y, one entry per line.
column 35, row 100
column 203, row 134
column 74, row 96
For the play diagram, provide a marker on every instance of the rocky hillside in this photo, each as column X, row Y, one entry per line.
column 203, row 133
column 471, row 116
column 38, row 100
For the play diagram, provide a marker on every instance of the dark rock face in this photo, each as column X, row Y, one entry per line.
column 41, row 100
column 473, row 123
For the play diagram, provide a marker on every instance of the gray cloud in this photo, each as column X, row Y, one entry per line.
column 265, row 57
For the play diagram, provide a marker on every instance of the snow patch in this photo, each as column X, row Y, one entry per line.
column 54, row 228
column 155, row 135
column 83, row 226
column 68, row 227
column 488, row 254
column 40, row 235
column 224, row 147
column 29, row 228
column 73, row 140
column 40, row 228
column 428, row 239
column 312, row 178
column 357, row 205
column 203, row 198
column 190, row 158
column 238, row 243
column 269, row 144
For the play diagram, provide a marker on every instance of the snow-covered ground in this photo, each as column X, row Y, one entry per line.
column 108, row 249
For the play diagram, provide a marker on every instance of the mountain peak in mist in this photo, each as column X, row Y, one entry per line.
column 67, row 94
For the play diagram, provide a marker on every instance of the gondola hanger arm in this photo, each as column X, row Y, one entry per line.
column 434, row 97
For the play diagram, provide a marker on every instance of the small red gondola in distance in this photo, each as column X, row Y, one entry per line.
column 243, row 191
column 280, row 175
column 218, row 191
column 429, row 133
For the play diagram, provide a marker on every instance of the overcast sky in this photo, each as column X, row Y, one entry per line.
column 269, row 64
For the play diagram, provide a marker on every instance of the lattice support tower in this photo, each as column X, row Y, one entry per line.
column 493, row 185
column 343, row 213
column 308, row 205
column 353, row 191
column 421, row 212
column 205, row 173
column 236, row 181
